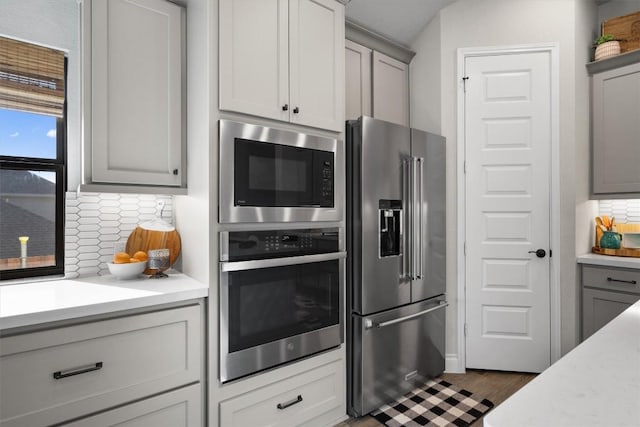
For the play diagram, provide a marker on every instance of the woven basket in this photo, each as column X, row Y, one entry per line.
column 607, row 50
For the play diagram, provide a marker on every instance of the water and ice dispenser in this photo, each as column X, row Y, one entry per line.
column 390, row 227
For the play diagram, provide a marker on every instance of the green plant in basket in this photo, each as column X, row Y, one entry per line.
column 603, row 39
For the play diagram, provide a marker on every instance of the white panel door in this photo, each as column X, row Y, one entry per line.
column 390, row 89
column 137, row 108
column 357, row 80
column 508, row 157
column 254, row 57
column 316, row 60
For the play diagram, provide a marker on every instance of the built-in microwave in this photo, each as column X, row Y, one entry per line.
column 275, row 175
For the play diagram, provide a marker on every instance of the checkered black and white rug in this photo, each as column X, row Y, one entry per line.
column 437, row 403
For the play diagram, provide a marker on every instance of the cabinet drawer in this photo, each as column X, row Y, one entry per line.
column 51, row 376
column 178, row 408
column 613, row 279
column 292, row 402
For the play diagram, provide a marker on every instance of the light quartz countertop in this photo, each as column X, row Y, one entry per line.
column 609, row 261
column 596, row 384
column 33, row 303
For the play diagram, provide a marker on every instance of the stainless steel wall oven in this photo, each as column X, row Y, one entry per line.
column 274, row 175
column 280, row 297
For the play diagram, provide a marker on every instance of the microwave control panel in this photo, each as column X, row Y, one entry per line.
column 262, row 244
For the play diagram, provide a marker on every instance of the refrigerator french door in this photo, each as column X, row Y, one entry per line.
column 396, row 198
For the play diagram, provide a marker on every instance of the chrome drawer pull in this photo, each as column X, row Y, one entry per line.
column 290, row 403
column 631, row 282
column 77, row 371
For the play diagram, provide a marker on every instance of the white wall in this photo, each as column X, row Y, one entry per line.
column 484, row 23
column 55, row 24
column 425, row 77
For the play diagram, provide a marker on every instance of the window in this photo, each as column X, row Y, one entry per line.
column 32, row 159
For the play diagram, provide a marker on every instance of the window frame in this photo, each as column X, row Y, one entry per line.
column 59, row 167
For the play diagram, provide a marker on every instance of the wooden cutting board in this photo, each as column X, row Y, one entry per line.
column 141, row 239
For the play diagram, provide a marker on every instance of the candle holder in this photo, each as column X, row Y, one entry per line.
column 158, row 261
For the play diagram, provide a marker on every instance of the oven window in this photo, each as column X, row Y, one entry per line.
column 270, row 304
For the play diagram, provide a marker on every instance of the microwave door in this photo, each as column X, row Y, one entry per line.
column 273, row 175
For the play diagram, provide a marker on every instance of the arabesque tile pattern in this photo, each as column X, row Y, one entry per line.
column 95, row 221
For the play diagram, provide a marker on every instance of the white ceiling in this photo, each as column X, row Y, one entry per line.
column 398, row 20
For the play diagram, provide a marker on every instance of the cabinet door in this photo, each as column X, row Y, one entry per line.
column 178, row 408
column 254, row 70
column 616, row 130
column 601, row 307
column 137, row 105
column 316, row 60
column 390, row 89
column 357, row 80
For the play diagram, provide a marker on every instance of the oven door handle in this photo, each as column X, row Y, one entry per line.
column 279, row 262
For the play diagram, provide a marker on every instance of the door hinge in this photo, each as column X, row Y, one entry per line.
column 550, row 253
column 465, row 329
column 464, row 83
column 464, row 167
column 464, row 248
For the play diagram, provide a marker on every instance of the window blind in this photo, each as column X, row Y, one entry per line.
column 31, row 77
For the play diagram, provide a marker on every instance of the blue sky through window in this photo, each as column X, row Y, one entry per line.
column 24, row 134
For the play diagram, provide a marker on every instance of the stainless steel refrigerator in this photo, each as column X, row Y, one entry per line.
column 396, row 261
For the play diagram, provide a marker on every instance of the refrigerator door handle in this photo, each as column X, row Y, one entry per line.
column 409, row 213
column 419, row 239
column 415, row 239
column 369, row 324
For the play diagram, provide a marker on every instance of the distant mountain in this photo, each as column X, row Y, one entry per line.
column 24, row 182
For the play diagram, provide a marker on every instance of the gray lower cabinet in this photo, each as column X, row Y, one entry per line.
column 56, row 375
column 178, row 408
column 606, row 292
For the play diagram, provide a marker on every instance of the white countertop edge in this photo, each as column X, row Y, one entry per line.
column 595, row 384
column 179, row 288
column 609, row 261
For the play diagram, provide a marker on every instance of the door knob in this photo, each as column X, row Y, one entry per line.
column 296, row 110
column 540, row 253
column 285, row 107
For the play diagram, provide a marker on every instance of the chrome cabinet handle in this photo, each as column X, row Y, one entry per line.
column 370, row 325
column 631, row 282
column 290, row 403
column 77, row 371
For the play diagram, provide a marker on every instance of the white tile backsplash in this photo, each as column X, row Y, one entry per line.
column 624, row 211
column 95, row 221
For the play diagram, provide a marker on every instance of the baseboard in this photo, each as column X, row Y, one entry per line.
column 452, row 365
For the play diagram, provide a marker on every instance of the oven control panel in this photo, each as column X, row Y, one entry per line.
column 263, row 244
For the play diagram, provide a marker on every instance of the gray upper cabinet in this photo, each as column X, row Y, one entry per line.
column 616, row 131
column 357, row 80
column 282, row 60
column 390, row 89
column 135, row 72
column 377, row 85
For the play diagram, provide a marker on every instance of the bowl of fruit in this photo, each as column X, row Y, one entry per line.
column 128, row 267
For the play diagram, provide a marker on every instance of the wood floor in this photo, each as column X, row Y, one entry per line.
column 496, row 386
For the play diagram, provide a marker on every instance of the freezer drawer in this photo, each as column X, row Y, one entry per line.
column 394, row 351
